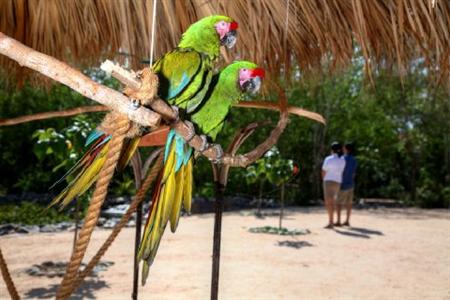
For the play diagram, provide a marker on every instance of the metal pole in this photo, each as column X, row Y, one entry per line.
column 136, row 163
column 281, row 207
column 219, row 189
column 77, row 222
column 134, row 296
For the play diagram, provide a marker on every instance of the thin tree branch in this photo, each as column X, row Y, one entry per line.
column 53, row 114
column 246, row 159
column 291, row 109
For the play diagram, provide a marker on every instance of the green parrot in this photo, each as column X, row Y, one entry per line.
column 184, row 76
column 174, row 186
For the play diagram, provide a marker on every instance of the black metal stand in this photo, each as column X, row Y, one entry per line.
column 219, row 189
column 137, row 239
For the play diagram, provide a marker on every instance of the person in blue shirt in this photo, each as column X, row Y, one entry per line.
column 347, row 185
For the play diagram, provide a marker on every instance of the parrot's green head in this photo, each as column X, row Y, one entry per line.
column 246, row 75
column 208, row 34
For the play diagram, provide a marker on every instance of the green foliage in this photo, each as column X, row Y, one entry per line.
column 65, row 146
column 400, row 127
column 279, row 231
column 29, row 213
column 28, row 169
column 270, row 168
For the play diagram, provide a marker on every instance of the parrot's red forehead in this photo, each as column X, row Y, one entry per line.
column 258, row 72
column 234, row 25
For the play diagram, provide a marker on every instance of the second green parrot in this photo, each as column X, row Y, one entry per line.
column 174, row 186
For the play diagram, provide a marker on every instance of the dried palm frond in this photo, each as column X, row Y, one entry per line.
column 388, row 32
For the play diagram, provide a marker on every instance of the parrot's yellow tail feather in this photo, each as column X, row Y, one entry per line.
column 83, row 181
column 173, row 190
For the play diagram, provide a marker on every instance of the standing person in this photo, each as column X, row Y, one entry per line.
column 348, row 184
column 332, row 169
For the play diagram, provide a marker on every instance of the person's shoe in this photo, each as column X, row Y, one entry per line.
column 337, row 224
column 329, row 226
column 346, row 224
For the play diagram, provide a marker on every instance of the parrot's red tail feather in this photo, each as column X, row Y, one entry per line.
column 155, row 195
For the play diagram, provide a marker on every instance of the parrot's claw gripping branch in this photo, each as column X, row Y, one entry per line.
column 177, row 114
column 204, row 144
column 220, row 154
column 191, row 132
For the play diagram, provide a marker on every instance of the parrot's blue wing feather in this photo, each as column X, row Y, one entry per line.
column 104, row 141
column 175, row 90
column 94, row 135
column 177, row 70
column 168, row 142
column 179, row 150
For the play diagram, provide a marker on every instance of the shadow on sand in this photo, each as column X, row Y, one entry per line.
column 294, row 244
column 85, row 291
column 358, row 232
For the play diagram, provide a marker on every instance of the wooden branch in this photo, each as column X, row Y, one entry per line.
column 76, row 80
column 233, row 147
column 53, row 114
column 246, row 159
column 291, row 109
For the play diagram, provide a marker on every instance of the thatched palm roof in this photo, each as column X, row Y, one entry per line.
column 389, row 32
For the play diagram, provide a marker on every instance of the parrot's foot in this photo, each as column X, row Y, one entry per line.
column 177, row 114
column 135, row 104
column 219, row 152
column 205, row 144
column 191, row 132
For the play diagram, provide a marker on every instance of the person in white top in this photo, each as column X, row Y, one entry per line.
column 332, row 169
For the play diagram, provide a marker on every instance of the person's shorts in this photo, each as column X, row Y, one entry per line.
column 331, row 189
column 345, row 196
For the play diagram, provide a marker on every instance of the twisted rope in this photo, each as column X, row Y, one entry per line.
column 123, row 221
column 7, row 278
column 121, row 126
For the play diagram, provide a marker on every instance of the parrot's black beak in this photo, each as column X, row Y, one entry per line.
column 252, row 85
column 229, row 39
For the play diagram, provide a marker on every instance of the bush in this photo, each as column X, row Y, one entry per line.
column 29, row 213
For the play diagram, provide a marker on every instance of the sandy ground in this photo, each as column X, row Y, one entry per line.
column 388, row 254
